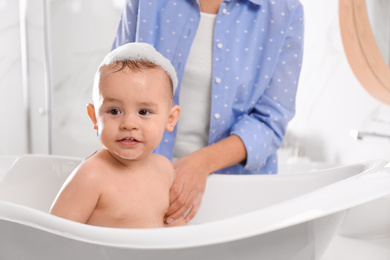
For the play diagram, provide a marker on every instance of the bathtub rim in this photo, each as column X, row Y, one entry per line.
column 222, row 231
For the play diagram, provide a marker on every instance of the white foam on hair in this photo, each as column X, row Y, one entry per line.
column 141, row 51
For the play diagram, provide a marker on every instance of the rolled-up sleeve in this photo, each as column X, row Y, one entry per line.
column 263, row 128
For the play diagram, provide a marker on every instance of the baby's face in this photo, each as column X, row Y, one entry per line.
column 133, row 110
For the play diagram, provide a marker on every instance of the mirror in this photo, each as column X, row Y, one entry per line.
column 361, row 48
column 379, row 16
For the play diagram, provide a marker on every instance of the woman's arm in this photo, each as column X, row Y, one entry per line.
column 254, row 136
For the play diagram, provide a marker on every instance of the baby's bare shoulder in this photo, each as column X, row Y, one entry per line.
column 163, row 164
column 91, row 169
column 161, row 159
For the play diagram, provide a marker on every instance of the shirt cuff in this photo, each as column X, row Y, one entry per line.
column 262, row 133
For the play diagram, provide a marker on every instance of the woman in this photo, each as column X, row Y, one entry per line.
column 238, row 64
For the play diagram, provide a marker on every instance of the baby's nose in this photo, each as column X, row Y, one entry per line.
column 129, row 122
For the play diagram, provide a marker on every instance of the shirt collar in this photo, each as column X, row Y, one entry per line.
column 257, row 2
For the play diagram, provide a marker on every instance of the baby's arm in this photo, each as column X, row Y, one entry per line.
column 78, row 196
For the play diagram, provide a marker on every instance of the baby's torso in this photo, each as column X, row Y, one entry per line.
column 133, row 200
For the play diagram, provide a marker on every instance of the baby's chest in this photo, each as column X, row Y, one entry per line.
column 133, row 199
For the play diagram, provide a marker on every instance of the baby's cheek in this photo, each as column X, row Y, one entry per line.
column 157, row 134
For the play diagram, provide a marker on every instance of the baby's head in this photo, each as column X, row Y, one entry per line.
column 136, row 56
column 133, row 100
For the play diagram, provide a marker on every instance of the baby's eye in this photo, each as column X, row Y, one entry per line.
column 114, row 111
column 143, row 112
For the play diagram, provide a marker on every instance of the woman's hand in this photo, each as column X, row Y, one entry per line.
column 192, row 171
column 188, row 188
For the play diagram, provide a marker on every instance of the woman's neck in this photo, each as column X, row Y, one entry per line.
column 210, row 6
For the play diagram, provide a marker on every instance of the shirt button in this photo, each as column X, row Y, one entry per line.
column 216, row 116
column 224, row 11
column 217, row 80
column 219, row 45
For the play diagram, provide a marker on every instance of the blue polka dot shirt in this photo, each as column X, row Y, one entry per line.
column 257, row 57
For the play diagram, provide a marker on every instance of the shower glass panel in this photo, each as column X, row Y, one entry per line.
column 81, row 33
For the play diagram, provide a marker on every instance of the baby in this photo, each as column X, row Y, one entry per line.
column 125, row 184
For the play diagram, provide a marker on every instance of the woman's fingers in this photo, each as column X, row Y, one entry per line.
column 186, row 202
column 180, row 200
column 187, row 189
column 179, row 207
column 194, row 208
column 176, row 190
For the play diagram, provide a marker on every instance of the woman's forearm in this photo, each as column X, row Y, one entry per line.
column 223, row 154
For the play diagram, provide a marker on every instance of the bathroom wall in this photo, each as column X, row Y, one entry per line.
column 12, row 126
column 82, row 32
column 330, row 100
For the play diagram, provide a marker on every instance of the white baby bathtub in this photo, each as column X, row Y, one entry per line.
column 276, row 217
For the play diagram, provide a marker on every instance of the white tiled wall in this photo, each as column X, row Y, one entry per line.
column 330, row 100
column 12, row 124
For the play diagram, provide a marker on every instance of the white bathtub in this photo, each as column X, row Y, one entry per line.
column 278, row 217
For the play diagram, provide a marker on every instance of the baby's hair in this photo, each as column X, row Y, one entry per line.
column 137, row 56
column 138, row 65
column 135, row 66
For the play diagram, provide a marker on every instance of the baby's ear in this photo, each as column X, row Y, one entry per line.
column 173, row 118
column 92, row 115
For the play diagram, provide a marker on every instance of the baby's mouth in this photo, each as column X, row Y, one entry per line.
column 129, row 141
